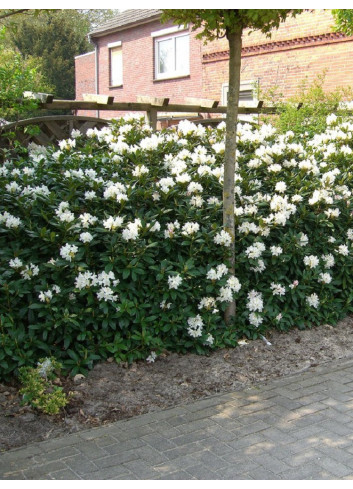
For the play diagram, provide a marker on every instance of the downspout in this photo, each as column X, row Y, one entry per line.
column 96, row 68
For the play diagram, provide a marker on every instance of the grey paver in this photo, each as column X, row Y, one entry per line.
column 297, row 427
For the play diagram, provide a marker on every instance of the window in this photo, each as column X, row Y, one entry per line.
column 116, row 64
column 247, row 97
column 172, row 55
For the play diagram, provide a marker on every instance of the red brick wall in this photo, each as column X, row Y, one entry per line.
column 138, row 69
column 85, row 78
column 301, row 48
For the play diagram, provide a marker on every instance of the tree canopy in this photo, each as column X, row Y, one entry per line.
column 218, row 22
column 344, row 20
column 56, row 37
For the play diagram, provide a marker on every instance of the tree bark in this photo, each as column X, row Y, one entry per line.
column 235, row 45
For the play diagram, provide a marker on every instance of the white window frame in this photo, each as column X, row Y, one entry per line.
column 244, row 86
column 163, row 35
column 111, row 48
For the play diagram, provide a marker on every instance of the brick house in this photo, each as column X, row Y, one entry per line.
column 137, row 55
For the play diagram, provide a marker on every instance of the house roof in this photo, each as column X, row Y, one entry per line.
column 126, row 19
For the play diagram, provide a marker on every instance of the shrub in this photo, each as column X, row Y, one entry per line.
column 317, row 104
column 113, row 244
column 38, row 389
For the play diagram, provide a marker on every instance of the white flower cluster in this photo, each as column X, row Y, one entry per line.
column 10, row 221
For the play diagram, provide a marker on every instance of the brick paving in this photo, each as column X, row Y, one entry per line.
column 297, row 427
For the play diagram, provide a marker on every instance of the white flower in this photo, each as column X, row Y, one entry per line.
column 84, row 280
column 280, row 187
column 140, row 170
column 190, row 228
column 331, row 119
column 276, row 250
column 223, row 238
column 106, row 294
column 171, row 228
column 151, row 357
column 311, row 261
column 226, row 294
column 10, row 221
column 332, row 213
column 195, row 326
column 255, row 302
column 45, row 296
column 343, row 250
column 260, row 267
column 130, row 233
column 15, row 263
column 207, row 303
column 234, row 284
column 156, row 227
column 255, row 251
column 325, row 278
column 87, row 220
column 277, row 289
column 30, row 271
column 255, row 319
column 86, row 237
column 67, row 144
column 174, row 281
column 68, row 252
column 90, row 195
column 194, row 187
column 75, row 133
column 112, row 223
column 196, row 201
column 329, row 260
column 165, row 305
column 313, row 300
column 216, row 274
column 209, row 340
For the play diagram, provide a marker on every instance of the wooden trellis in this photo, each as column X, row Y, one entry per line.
column 51, row 129
column 48, row 129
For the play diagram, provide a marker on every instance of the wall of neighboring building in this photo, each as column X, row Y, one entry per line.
column 138, row 68
column 302, row 48
column 85, row 78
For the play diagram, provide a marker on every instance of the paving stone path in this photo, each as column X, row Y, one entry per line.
column 298, row 427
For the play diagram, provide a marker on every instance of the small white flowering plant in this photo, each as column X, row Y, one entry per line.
column 124, row 253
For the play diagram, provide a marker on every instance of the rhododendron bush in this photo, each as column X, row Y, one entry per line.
column 112, row 244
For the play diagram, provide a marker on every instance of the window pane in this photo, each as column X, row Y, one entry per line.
column 165, row 56
column 182, row 54
column 116, row 66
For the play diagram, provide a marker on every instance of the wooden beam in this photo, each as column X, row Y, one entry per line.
column 203, row 102
column 99, row 99
column 144, row 107
column 42, row 97
column 158, row 101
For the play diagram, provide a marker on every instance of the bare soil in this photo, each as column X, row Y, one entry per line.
column 112, row 392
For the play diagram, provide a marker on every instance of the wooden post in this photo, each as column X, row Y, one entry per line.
column 151, row 117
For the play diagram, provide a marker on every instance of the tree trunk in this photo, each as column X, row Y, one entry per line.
column 235, row 45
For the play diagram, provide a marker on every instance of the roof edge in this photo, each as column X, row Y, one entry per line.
column 109, row 30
